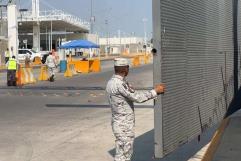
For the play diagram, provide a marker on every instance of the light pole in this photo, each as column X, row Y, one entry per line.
column 145, row 35
column 119, row 35
column 92, row 18
column 144, row 25
column 107, row 36
column 131, row 37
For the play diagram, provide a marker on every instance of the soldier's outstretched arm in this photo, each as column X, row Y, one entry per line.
column 138, row 97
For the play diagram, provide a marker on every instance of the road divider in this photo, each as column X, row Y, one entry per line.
column 68, row 72
column 43, row 76
column 136, row 61
column 95, row 65
column 86, row 66
column 29, row 77
column 72, row 68
column 25, row 76
column 37, row 61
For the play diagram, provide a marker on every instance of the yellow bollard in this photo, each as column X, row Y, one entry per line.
column 43, row 76
column 68, row 72
column 37, row 61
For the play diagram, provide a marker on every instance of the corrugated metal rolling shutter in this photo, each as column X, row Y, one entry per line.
column 196, row 45
column 239, row 42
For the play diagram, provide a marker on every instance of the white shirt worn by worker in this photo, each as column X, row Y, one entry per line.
column 50, row 61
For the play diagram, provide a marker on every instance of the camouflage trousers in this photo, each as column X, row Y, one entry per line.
column 124, row 147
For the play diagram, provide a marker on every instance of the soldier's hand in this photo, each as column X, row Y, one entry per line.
column 160, row 88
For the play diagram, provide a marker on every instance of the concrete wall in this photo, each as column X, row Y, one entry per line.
column 122, row 41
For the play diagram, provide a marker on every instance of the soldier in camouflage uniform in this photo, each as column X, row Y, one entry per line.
column 121, row 98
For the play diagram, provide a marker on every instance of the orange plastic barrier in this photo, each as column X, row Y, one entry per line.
column 95, row 65
column 72, row 68
column 37, row 61
column 86, row 66
column 81, row 66
column 25, row 76
column 19, row 75
column 29, row 77
column 136, row 61
column 43, row 76
column 68, row 72
column 147, row 58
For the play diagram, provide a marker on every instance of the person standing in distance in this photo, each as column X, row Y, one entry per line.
column 12, row 52
column 7, row 55
column 12, row 66
column 51, row 64
column 121, row 97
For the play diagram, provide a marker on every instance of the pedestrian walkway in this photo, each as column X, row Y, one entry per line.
column 226, row 144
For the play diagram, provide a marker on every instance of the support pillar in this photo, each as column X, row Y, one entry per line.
column 35, row 8
column 157, row 77
column 12, row 29
column 36, row 37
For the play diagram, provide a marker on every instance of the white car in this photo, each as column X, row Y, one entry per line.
column 22, row 53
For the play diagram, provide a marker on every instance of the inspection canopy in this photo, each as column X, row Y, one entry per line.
column 79, row 44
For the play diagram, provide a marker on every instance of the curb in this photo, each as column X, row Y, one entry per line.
column 215, row 141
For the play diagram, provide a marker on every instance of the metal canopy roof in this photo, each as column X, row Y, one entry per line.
column 57, row 25
column 61, row 21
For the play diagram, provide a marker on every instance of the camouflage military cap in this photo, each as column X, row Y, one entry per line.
column 121, row 62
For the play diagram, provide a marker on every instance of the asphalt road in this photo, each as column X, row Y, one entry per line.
column 42, row 124
column 69, row 120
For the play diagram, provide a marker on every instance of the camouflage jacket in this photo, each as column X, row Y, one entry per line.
column 121, row 99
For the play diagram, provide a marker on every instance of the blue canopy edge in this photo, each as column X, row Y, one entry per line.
column 79, row 44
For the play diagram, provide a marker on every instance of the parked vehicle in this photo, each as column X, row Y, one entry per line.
column 22, row 53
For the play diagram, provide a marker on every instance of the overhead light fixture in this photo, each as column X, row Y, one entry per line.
column 23, row 10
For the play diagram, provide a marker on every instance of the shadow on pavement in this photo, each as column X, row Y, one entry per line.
column 87, row 105
column 235, row 105
column 144, row 148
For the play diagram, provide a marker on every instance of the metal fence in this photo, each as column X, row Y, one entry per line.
column 195, row 58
